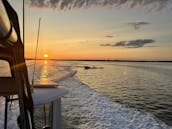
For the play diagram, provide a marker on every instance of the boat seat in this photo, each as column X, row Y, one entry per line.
column 50, row 94
column 47, row 94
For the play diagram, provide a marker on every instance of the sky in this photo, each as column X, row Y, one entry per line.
column 99, row 29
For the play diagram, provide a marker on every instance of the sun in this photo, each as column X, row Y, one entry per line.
column 45, row 55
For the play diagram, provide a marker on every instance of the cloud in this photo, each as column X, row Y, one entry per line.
column 111, row 36
column 76, row 4
column 137, row 25
column 104, row 45
column 130, row 44
column 139, row 43
column 121, row 43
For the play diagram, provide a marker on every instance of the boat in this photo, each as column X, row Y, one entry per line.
column 87, row 67
column 12, row 51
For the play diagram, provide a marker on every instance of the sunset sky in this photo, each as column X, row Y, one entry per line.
column 95, row 30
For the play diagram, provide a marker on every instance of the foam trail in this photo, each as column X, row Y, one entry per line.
column 77, row 4
column 84, row 108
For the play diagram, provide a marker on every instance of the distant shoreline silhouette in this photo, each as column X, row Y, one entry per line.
column 104, row 60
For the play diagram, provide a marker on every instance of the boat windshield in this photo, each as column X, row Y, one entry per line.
column 5, row 25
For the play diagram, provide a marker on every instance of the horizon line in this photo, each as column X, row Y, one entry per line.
column 117, row 60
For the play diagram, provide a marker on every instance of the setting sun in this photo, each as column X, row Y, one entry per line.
column 46, row 55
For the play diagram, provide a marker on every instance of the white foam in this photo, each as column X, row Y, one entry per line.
column 84, row 108
column 13, row 112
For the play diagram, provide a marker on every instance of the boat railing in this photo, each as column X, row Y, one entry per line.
column 12, row 51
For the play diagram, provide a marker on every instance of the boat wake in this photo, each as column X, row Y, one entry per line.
column 84, row 108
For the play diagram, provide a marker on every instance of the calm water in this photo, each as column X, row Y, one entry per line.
column 144, row 86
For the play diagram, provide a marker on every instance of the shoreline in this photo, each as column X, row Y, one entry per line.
column 168, row 61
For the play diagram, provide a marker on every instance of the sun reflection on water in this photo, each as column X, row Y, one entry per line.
column 45, row 62
column 44, row 73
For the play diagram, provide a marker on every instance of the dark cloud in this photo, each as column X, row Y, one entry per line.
column 137, row 25
column 121, row 43
column 110, row 36
column 73, row 4
column 104, row 45
column 138, row 43
column 130, row 44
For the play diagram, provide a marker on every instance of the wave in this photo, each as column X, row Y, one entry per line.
column 164, row 68
column 84, row 108
column 70, row 74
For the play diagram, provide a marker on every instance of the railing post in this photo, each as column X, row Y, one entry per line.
column 57, row 121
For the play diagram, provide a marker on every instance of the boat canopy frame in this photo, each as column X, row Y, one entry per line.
column 12, row 51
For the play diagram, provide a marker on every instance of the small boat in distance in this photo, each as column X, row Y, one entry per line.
column 92, row 67
column 87, row 67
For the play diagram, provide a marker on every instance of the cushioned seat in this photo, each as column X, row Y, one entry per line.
column 47, row 95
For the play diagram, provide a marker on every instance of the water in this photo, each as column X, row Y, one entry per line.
column 110, row 95
column 144, row 86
